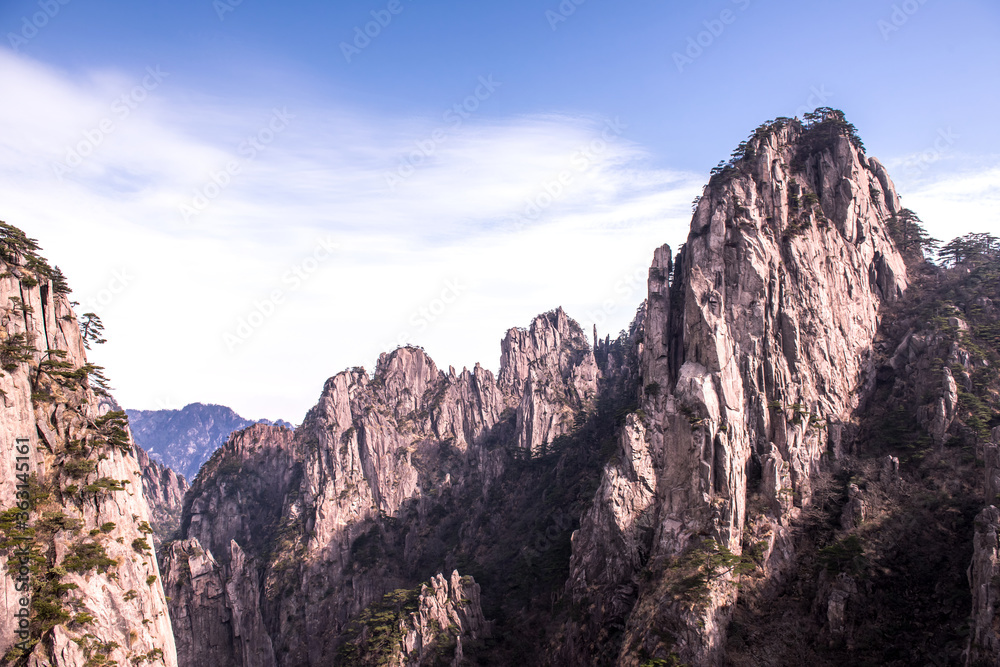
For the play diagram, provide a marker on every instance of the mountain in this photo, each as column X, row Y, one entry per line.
column 372, row 493
column 164, row 491
column 81, row 584
column 184, row 439
column 792, row 456
column 787, row 437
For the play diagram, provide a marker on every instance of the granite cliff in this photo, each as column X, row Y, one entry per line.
column 756, row 350
column 75, row 525
column 389, row 481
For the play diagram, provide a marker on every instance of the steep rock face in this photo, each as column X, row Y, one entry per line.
column 249, row 478
column 755, row 348
column 373, row 467
column 616, row 539
column 184, row 439
column 984, row 642
column 552, row 367
column 164, row 491
column 984, row 571
column 216, row 614
column 213, row 584
column 95, row 593
column 879, row 573
column 446, row 615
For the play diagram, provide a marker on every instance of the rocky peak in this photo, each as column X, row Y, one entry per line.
column 777, row 299
column 552, row 346
column 757, row 337
column 377, row 454
column 404, row 377
column 551, row 367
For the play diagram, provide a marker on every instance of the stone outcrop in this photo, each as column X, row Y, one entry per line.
column 447, row 614
column 552, row 367
column 216, row 607
column 448, row 606
column 164, row 491
column 95, row 591
column 316, row 511
column 984, row 570
column 917, row 362
column 984, row 577
column 754, row 351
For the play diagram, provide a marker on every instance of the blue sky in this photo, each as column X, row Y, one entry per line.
column 240, row 159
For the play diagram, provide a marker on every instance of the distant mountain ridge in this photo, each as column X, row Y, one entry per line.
column 184, row 439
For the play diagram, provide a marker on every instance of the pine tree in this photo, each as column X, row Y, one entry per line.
column 908, row 232
column 91, row 329
column 829, row 123
column 59, row 284
column 973, row 249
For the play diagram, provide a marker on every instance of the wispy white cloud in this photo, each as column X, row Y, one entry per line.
column 171, row 290
column 954, row 193
column 501, row 220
